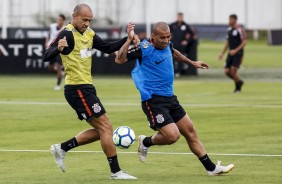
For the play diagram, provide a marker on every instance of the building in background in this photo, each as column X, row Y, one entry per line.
column 254, row 14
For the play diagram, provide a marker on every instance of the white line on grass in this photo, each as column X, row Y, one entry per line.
column 156, row 153
column 138, row 104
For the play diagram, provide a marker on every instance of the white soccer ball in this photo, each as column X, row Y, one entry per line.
column 123, row 137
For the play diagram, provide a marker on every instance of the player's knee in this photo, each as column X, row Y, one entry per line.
column 105, row 124
column 192, row 133
column 108, row 126
column 172, row 138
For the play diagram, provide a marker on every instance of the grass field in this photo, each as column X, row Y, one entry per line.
column 33, row 117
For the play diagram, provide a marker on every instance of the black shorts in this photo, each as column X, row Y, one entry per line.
column 161, row 111
column 234, row 61
column 56, row 59
column 83, row 99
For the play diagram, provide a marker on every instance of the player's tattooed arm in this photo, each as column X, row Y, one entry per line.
column 180, row 57
column 122, row 53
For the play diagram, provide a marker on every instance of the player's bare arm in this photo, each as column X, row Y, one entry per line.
column 225, row 47
column 47, row 40
column 180, row 57
column 122, row 53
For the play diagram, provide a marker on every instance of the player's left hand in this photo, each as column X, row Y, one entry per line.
column 184, row 43
column 232, row 52
column 201, row 64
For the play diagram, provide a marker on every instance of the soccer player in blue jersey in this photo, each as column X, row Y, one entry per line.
column 153, row 76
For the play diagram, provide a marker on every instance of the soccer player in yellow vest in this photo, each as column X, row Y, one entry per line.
column 74, row 44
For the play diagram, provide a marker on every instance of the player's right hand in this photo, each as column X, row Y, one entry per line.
column 62, row 44
column 130, row 30
column 220, row 57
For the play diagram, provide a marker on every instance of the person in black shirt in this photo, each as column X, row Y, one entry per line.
column 184, row 39
column 236, row 42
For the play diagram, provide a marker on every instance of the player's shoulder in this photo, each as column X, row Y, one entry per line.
column 69, row 28
column 172, row 24
column 240, row 27
column 53, row 25
column 229, row 28
column 90, row 31
column 144, row 44
column 65, row 32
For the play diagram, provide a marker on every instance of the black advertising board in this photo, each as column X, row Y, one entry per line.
column 275, row 37
column 25, row 56
column 21, row 56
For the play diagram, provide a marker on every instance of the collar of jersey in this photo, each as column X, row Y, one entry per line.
column 152, row 43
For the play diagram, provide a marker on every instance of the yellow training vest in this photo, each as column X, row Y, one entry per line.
column 78, row 63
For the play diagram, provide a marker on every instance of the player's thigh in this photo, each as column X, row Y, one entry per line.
column 237, row 61
column 170, row 132
column 101, row 123
column 186, row 128
column 227, row 71
column 234, row 70
column 228, row 62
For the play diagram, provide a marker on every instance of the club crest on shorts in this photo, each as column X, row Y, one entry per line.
column 160, row 118
column 96, row 108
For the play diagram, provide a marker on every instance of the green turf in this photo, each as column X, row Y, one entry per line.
column 246, row 123
column 257, row 54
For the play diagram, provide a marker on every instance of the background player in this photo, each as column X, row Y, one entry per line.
column 75, row 43
column 55, row 64
column 153, row 76
column 236, row 42
column 184, row 39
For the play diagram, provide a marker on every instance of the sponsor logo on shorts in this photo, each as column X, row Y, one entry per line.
column 160, row 118
column 96, row 108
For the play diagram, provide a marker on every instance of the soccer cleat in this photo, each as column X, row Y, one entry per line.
column 59, row 155
column 122, row 176
column 220, row 169
column 57, row 88
column 142, row 150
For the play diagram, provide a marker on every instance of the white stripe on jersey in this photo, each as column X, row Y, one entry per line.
column 240, row 30
column 53, row 32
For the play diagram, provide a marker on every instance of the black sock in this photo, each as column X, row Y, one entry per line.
column 208, row 164
column 70, row 144
column 113, row 162
column 147, row 142
column 236, row 85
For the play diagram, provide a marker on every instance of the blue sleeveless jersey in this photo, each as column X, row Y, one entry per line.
column 155, row 74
